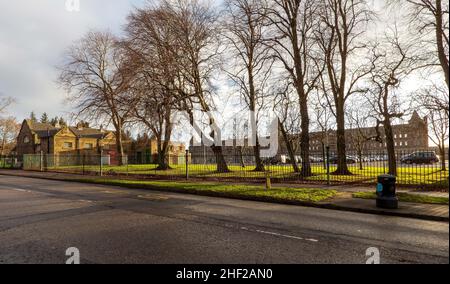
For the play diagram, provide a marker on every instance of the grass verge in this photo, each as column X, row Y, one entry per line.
column 283, row 194
column 406, row 197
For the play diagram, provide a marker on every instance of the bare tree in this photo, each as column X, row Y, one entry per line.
column 293, row 23
column 5, row 102
column 340, row 36
column 245, row 32
column 9, row 129
column 285, row 107
column 434, row 97
column 195, row 26
column 429, row 21
column 394, row 61
column 359, row 118
column 92, row 75
column 322, row 118
column 152, row 58
column 439, row 126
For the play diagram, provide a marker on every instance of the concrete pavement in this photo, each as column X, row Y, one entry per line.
column 40, row 219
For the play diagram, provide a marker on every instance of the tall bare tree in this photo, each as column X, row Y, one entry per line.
column 97, row 87
column 394, row 60
column 153, row 61
column 245, row 27
column 439, row 126
column 195, row 26
column 322, row 119
column 288, row 119
column 293, row 23
column 429, row 21
column 340, row 36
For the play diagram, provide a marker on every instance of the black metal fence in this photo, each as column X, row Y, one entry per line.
column 10, row 162
column 417, row 168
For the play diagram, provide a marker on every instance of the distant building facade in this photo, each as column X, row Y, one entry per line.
column 145, row 151
column 35, row 138
column 412, row 135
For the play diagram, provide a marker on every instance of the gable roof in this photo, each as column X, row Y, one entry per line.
column 45, row 130
column 89, row 132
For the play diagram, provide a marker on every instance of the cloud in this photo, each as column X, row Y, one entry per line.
column 33, row 37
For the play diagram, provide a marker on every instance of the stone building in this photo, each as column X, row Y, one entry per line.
column 409, row 136
column 35, row 138
column 145, row 151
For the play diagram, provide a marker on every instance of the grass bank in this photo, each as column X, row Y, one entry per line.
column 278, row 194
column 407, row 197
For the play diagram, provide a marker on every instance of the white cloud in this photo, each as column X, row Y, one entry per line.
column 33, row 37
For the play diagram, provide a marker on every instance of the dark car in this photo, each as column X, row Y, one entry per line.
column 350, row 160
column 422, row 157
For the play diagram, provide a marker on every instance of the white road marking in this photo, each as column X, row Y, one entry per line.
column 279, row 235
column 21, row 190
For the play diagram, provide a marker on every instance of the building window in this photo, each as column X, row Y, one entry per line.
column 406, row 135
column 406, row 143
column 401, row 136
column 26, row 140
column 68, row 145
column 395, row 144
column 401, row 143
column 88, row 146
column 395, row 136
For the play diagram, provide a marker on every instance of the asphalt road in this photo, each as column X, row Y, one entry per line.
column 40, row 219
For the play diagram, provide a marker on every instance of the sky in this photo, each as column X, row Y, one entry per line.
column 33, row 38
column 35, row 34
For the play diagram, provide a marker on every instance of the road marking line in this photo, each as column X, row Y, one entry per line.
column 21, row 190
column 282, row 235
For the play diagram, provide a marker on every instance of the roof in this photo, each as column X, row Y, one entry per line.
column 45, row 130
column 89, row 132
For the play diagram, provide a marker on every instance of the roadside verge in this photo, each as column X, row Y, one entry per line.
column 311, row 197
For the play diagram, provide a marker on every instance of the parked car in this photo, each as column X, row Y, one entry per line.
column 421, row 157
column 315, row 159
column 350, row 160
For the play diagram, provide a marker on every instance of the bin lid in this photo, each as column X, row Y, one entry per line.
column 387, row 177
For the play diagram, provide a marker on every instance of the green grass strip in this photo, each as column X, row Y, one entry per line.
column 407, row 197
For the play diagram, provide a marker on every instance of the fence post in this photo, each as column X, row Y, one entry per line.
column 187, row 164
column 84, row 162
column 328, row 165
column 41, row 156
column 101, row 162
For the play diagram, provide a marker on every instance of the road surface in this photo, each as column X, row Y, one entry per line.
column 40, row 219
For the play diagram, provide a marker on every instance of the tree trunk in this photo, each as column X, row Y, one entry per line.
column 222, row 166
column 360, row 159
column 119, row 146
column 241, row 158
column 289, row 148
column 163, row 157
column 257, row 153
column 390, row 147
column 342, row 168
column 439, row 41
column 306, row 170
column 442, row 154
column 324, row 156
